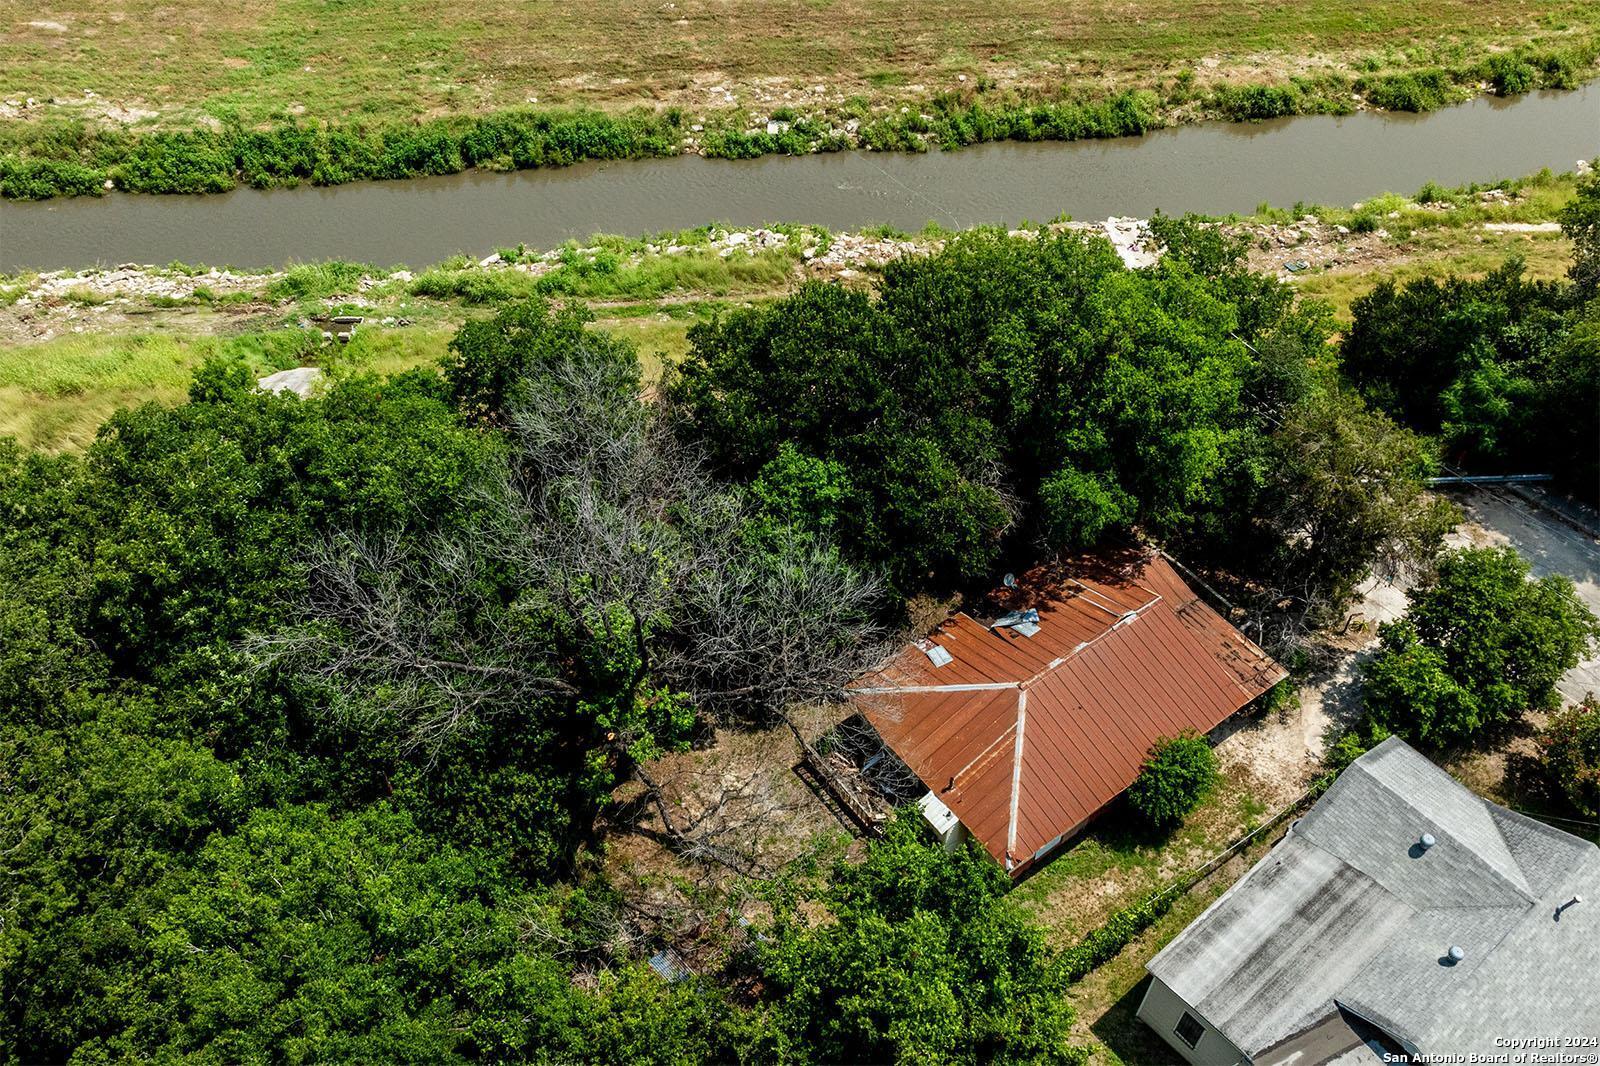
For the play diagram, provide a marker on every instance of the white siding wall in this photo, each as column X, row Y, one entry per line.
column 1161, row 1010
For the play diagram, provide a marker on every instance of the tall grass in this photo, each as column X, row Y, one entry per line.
column 605, row 275
column 315, row 281
column 71, row 158
column 55, row 394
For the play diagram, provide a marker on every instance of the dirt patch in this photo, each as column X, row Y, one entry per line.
column 743, row 815
column 1308, row 246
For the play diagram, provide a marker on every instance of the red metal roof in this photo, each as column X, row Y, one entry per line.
column 1025, row 738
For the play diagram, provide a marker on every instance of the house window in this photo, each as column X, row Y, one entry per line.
column 1189, row 1029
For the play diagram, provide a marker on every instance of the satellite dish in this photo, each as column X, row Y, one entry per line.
column 1011, row 581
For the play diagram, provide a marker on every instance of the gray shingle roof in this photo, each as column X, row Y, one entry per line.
column 1349, row 910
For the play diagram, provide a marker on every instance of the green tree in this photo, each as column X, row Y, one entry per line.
column 922, row 958
column 1003, row 390
column 1580, row 221
column 827, row 375
column 489, row 357
column 1409, row 690
column 1568, row 404
column 97, row 810
column 1343, row 492
column 1570, row 752
column 197, row 513
column 1178, row 774
column 1411, row 347
column 1479, row 645
column 1502, row 368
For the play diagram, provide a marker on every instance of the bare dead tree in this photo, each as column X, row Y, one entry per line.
column 613, row 512
column 398, row 630
column 762, row 633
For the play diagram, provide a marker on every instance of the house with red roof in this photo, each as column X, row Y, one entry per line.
column 1026, row 726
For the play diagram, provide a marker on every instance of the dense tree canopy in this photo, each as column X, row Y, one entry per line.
column 1028, row 395
column 307, row 708
column 1580, row 221
column 921, row 958
column 1503, row 369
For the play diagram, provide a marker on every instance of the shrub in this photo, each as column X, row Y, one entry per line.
column 40, row 179
column 1570, row 753
column 1423, row 90
column 1580, row 221
column 1352, row 744
column 1252, row 102
column 1511, row 75
column 1103, row 944
column 1178, row 773
column 314, row 281
column 56, row 161
column 177, row 163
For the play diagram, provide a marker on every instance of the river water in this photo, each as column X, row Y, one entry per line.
column 1213, row 168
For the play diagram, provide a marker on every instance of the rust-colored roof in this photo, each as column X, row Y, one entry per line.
column 1024, row 738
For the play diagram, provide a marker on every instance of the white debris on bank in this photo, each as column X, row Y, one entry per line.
column 1131, row 238
column 133, row 281
column 301, row 381
column 1522, row 227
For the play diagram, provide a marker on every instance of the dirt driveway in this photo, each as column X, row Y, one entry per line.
column 1287, row 748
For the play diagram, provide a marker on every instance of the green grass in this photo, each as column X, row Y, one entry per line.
column 1117, row 863
column 1547, row 256
column 1535, row 198
column 55, row 395
column 607, row 276
column 660, row 339
column 1106, row 1001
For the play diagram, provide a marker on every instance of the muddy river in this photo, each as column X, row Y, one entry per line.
column 1212, row 168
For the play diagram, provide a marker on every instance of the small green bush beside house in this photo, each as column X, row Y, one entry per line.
column 1177, row 775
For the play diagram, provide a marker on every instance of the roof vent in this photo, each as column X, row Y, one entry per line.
column 1428, row 841
column 1017, row 620
column 937, row 655
column 1456, row 953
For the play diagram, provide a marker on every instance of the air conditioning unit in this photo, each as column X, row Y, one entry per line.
column 943, row 821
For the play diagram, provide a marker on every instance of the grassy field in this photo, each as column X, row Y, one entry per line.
column 257, row 60
column 1546, row 257
column 54, row 395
